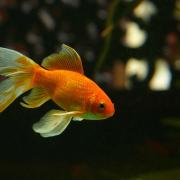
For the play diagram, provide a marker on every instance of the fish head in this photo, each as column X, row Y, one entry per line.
column 100, row 106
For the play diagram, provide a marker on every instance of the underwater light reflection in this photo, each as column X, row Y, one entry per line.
column 138, row 68
column 145, row 10
column 134, row 36
column 162, row 77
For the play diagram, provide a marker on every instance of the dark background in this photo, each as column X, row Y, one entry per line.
column 143, row 137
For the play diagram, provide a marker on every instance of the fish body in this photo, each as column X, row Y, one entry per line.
column 71, row 90
column 60, row 78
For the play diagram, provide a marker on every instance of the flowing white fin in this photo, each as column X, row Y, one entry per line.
column 58, row 129
column 36, row 98
column 54, row 122
column 18, row 70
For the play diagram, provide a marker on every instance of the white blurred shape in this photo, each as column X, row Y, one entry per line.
column 161, row 79
column 47, row 19
column 145, row 10
column 74, row 3
column 137, row 67
column 134, row 37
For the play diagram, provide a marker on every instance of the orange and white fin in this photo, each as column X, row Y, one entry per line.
column 36, row 98
column 18, row 71
column 66, row 59
column 54, row 122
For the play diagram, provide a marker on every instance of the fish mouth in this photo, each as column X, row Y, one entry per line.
column 111, row 111
column 110, row 114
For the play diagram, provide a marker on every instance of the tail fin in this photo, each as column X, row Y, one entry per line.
column 18, row 72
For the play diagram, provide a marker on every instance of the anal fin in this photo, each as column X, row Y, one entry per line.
column 36, row 98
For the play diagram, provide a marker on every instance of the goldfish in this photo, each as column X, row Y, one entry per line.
column 59, row 78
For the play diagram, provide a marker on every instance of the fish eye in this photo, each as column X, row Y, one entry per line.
column 101, row 106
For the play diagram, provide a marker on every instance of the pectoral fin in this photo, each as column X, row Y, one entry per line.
column 36, row 98
column 54, row 122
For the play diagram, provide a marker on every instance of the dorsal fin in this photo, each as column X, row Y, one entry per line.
column 66, row 59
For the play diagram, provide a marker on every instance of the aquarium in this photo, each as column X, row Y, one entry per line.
column 129, row 53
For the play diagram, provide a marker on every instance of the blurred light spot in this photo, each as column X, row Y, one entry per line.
column 102, row 14
column 103, row 77
column 92, row 30
column 38, row 49
column 161, row 79
column 89, row 55
column 47, row 19
column 134, row 37
column 102, row 2
column 74, row 3
column 138, row 68
column 145, row 10
column 64, row 37
column 177, row 10
column 118, row 75
column 33, row 38
column 177, row 64
column 172, row 39
column 26, row 6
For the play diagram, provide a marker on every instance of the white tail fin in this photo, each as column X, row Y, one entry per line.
column 18, row 70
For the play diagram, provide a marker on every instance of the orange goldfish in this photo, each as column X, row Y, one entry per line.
column 59, row 78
